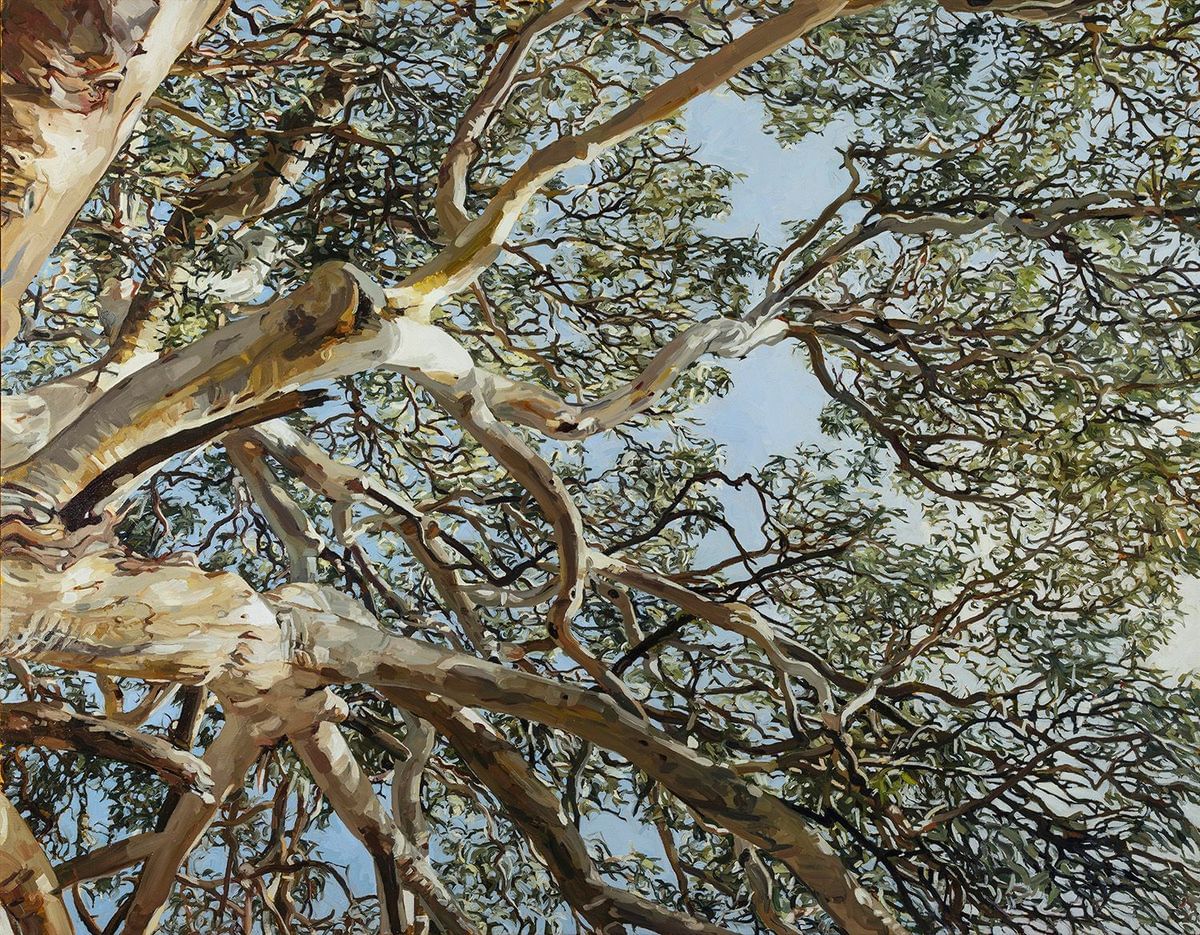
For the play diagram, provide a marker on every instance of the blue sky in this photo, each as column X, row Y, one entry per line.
column 778, row 185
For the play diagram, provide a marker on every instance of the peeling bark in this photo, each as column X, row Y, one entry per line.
column 398, row 865
column 76, row 77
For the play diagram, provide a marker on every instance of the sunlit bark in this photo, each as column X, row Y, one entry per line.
column 76, row 77
column 28, row 887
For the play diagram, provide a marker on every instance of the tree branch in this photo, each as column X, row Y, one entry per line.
column 28, row 888
column 117, row 54
column 289, row 523
column 318, row 634
column 397, row 863
column 478, row 244
column 36, row 723
column 229, row 756
column 451, row 195
column 533, row 806
column 242, row 194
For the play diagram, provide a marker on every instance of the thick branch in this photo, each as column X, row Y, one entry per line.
column 760, row 818
column 36, row 723
column 286, row 519
column 108, row 860
column 28, row 888
column 535, row 475
column 450, row 198
column 479, row 243
column 76, row 77
column 326, row 328
column 537, row 407
column 535, row 809
column 341, row 484
column 241, row 195
column 397, row 863
column 230, row 755
column 332, row 638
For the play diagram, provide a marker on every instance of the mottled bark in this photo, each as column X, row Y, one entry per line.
column 76, row 77
column 28, row 888
column 301, row 637
column 398, row 864
column 39, row 724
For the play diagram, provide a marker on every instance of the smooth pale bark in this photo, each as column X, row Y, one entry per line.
column 123, row 616
column 479, row 243
column 328, row 327
column 715, row 791
column 407, row 779
column 450, row 198
column 108, row 860
column 530, row 470
column 229, row 757
column 325, row 328
column 253, row 722
column 344, row 485
column 538, row 408
column 61, row 133
column 28, row 888
column 498, row 765
column 243, row 194
column 408, row 776
column 787, row 657
column 398, row 864
column 291, row 524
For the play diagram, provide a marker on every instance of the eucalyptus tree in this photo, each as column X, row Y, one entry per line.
column 353, row 476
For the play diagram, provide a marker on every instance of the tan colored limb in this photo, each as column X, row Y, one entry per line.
column 1034, row 11
column 108, row 860
column 407, row 780
column 290, row 524
column 536, row 810
column 43, row 130
column 244, row 194
column 28, row 888
column 230, row 755
column 343, row 484
column 346, row 651
column 328, row 327
column 761, row 888
column 785, row 657
column 479, row 243
column 450, row 198
column 398, row 865
column 319, row 635
column 253, row 721
column 533, row 473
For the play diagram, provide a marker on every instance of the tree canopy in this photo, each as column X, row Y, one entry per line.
column 356, row 484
